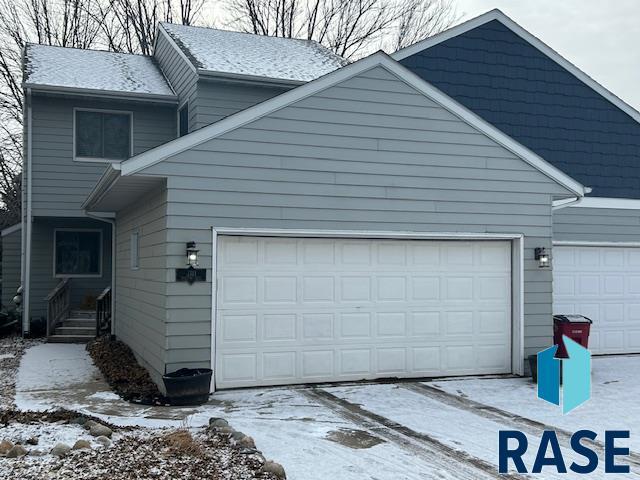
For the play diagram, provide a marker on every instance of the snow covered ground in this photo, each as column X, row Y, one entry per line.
column 614, row 405
column 405, row 430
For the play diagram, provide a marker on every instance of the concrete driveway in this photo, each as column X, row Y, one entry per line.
column 444, row 429
column 439, row 429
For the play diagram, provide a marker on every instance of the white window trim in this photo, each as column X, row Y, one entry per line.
column 76, row 158
column 517, row 272
column 88, row 275
column 134, row 265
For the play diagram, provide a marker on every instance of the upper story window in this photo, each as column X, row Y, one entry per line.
column 183, row 120
column 102, row 134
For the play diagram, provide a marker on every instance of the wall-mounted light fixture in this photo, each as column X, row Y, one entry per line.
column 192, row 254
column 543, row 257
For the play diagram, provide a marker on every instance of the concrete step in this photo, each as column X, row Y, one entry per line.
column 70, row 338
column 82, row 314
column 79, row 322
column 68, row 330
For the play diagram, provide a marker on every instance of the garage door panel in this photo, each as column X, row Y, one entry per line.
column 602, row 283
column 352, row 309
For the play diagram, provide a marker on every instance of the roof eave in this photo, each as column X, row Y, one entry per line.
column 109, row 177
column 93, row 92
column 151, row 157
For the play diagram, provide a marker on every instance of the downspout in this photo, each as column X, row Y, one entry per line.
column 113, row 265
column 27, row 227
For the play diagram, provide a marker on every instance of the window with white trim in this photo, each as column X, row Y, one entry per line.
column 102, row 135
column 135, row 251
column 77, row 253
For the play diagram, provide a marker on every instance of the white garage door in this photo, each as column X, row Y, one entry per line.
column 303, row 310
column 602, row 283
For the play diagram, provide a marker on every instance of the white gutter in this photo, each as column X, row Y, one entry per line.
column 567, row 202
column 113, row 265
column 27, row 231
column 107, row 94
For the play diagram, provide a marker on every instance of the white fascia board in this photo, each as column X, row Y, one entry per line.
column 108, row 94
column 156, row 155
column 528, row 37
column 11, row 229
column 604, row 202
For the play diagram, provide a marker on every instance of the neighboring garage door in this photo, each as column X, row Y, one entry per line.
column 602, row 283
column 302, row 310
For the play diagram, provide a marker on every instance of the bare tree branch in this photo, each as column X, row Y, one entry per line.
column 351, row 28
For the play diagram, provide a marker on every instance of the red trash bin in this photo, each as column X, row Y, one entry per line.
column 576, row 327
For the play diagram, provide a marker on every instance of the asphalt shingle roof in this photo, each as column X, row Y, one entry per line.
column 239, row 53
column 93, row 70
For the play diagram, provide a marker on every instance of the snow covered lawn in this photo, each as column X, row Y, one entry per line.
column 444, row 429
column 11, row 350
column 61, row 376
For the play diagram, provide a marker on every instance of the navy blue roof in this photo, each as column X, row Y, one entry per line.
column 514, row 86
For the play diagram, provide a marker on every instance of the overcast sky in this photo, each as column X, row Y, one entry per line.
column 600, row 37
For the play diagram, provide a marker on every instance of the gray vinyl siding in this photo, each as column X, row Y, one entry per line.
column 209, row 100
column 60, row 184
column 596, row 225
column 181, row 75
column 43, row 280
column 140, row 294
column 11, row 260
column 216, row 100
column 368, row 154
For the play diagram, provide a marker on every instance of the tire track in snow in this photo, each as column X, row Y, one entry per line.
column 511, row 420
column 430, row 450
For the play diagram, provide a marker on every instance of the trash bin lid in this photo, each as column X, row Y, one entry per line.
column 572, row 318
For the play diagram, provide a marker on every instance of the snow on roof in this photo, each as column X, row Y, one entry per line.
column 239, row 53
column 93, row 70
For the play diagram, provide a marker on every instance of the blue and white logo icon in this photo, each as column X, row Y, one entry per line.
column 575, row 372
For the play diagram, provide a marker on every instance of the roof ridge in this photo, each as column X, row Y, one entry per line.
column 215, row 29
column 34, row 44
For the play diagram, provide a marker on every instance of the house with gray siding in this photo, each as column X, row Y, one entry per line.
column 261, row 207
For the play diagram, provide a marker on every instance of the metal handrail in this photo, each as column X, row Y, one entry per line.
column 58, row 304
